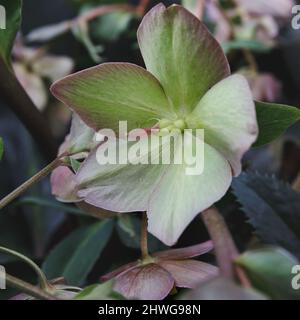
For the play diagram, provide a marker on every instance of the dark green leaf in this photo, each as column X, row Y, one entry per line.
column 272, row 207
column 270, row 270
column 129, row 230
column 14, row 234
column 1, row 148
column 49, row 203
column 273, row 119
column 75, row 256
column 13, row 21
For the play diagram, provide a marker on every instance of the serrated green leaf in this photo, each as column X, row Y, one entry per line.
column 273, row 119
column 273, row 209
column 13, row 22
column 74, row 257
column 1, row 148
column 270, row 270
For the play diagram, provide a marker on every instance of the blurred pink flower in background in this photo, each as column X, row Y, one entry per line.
column 264, row 86
column 33, row 66
column 259, row 19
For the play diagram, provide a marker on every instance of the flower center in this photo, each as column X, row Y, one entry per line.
column 166, row 126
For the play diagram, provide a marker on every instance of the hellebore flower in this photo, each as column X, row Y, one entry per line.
column 32, row 66
column 264, row 86
column 187, row 85
column 260, row 19
column 154, row 277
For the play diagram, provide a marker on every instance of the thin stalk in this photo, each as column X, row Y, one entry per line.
column 249, row 57
column 200, row 8
column 41, row 276
column 144, row 237
column 28, row 288
column 225, row 248
column 27, row 184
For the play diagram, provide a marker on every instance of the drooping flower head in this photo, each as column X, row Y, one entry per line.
column 154, row 278
column 33, row 65
column 187, row 85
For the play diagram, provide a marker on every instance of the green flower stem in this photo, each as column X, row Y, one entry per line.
column 42, row 278
column 28, row 288
column 26, row 185
column 144, row 237
column 250, row 59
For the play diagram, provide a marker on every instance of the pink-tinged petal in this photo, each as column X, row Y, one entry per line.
column 179, row 197
column 80, row 138
column 267, row 29
column 277, row 8
column 150, row 282
column 119, row 187
column 182, row 54
column 119, row 271
column 184, row 253
column 63, row 184
column 53, row 67
column 227, row 114
column 113, row 92
column 33, row 85
column 189, row 273
column 222, row 29
column 265, row 87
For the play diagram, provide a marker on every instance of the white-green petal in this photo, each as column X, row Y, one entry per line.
column 178, row 197
column 119, row 187
column 227, row 114
column 182, row 54
column 112, row 92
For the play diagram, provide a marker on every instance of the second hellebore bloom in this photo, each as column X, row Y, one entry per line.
column 187, row 81
column 155, row 278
